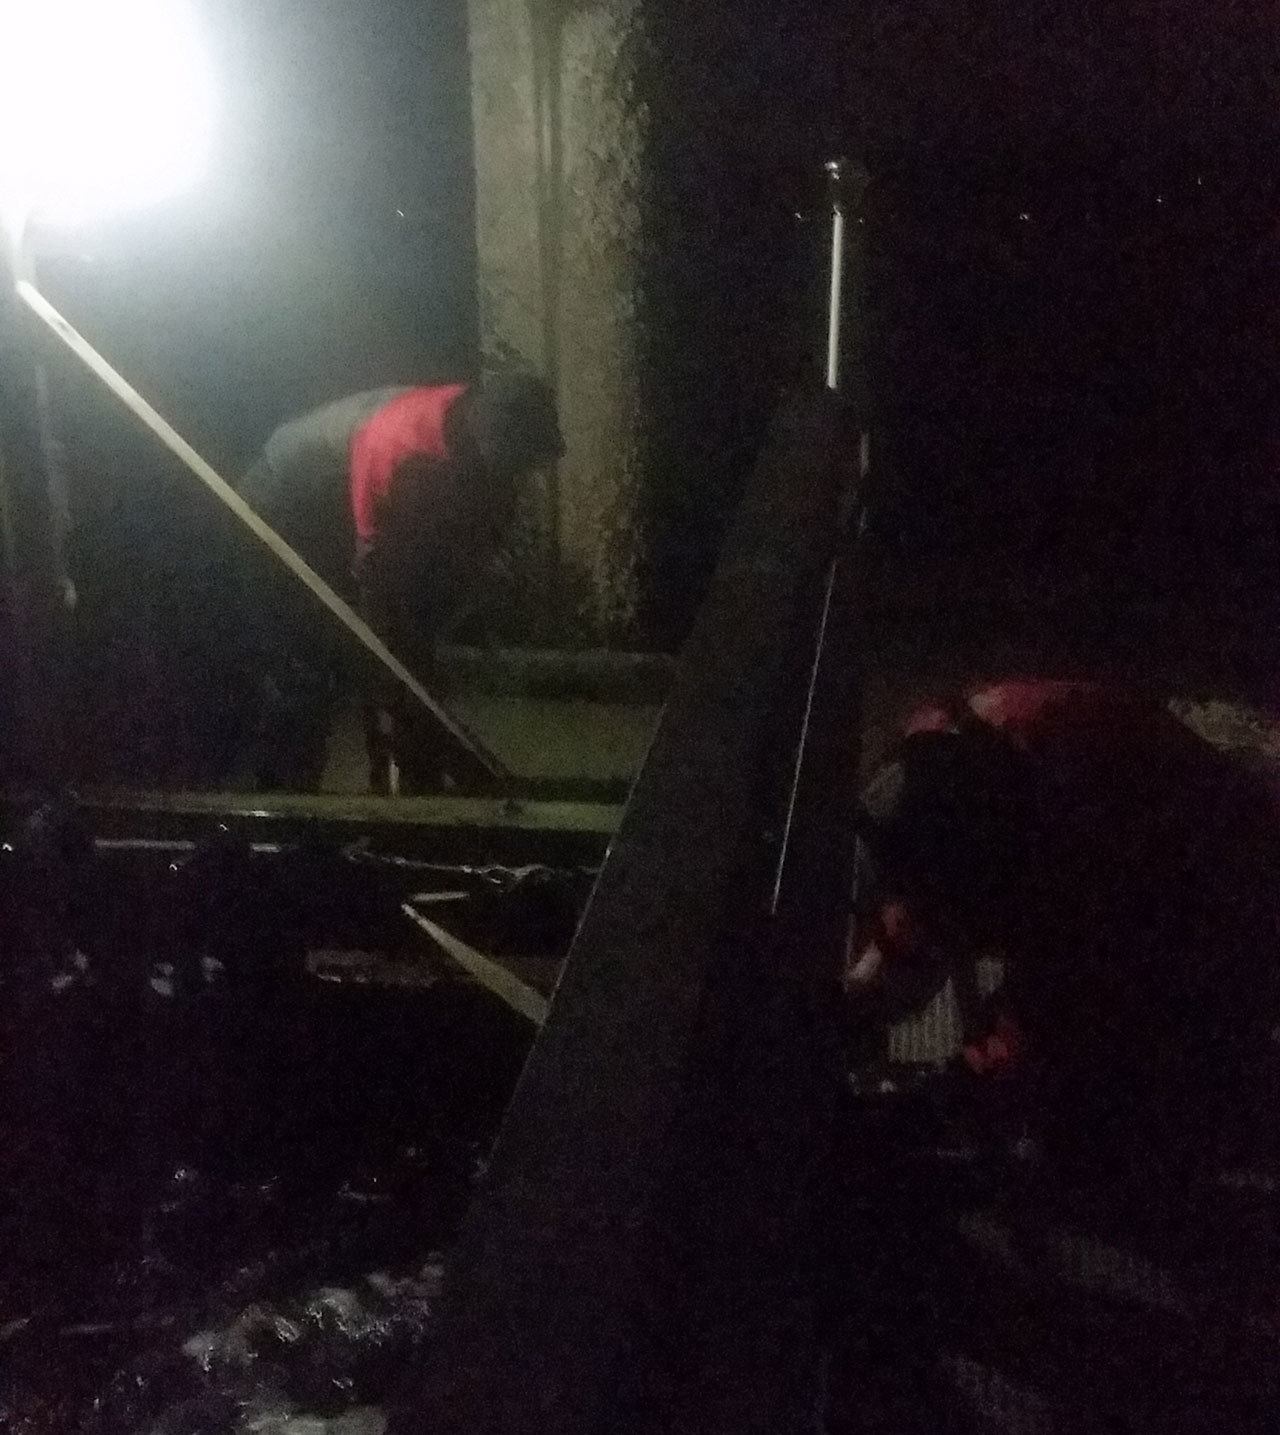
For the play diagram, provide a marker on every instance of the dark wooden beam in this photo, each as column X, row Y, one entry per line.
column 585, row 1277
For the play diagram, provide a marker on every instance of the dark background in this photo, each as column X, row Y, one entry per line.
column 1068, row 321
column 1079, row 405
column 1070, row 300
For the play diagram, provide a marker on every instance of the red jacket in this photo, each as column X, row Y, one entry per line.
column 1044, row 716
column 411, row 425
column 1136, row 892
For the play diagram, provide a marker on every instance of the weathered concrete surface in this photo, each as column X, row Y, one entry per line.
column 559, row 141
column 638, row 167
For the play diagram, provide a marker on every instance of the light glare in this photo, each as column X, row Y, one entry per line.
column 105, row 105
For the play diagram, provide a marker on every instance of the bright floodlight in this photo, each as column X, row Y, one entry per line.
column 105, row 105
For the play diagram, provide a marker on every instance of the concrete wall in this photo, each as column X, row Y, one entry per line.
column 638, row 168
column 559, row 144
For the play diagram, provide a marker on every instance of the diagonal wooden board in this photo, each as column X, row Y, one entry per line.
column 639, row 1120
column 491, row 975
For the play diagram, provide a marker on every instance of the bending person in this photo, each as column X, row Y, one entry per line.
column 399, row 499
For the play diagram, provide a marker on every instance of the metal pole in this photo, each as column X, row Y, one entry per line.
column 835, row 176
column 52, row 470
column 35, row 590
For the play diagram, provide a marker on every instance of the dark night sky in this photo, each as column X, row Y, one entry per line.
column 1082, row 399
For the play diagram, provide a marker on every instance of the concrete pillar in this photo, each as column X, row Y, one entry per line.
column 559, row 150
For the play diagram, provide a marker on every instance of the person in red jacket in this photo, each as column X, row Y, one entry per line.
column 1127, row 873
column 398, row 498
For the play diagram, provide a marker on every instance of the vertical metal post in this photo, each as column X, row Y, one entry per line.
column 846, row 184
column 835, row 175
column 35, row 588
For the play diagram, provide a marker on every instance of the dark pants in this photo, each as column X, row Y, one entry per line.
column 396, row 734
column 297, row 677
column 296, row 668
column 294, row 703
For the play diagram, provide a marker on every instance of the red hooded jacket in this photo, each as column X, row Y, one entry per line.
column 411, row 425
